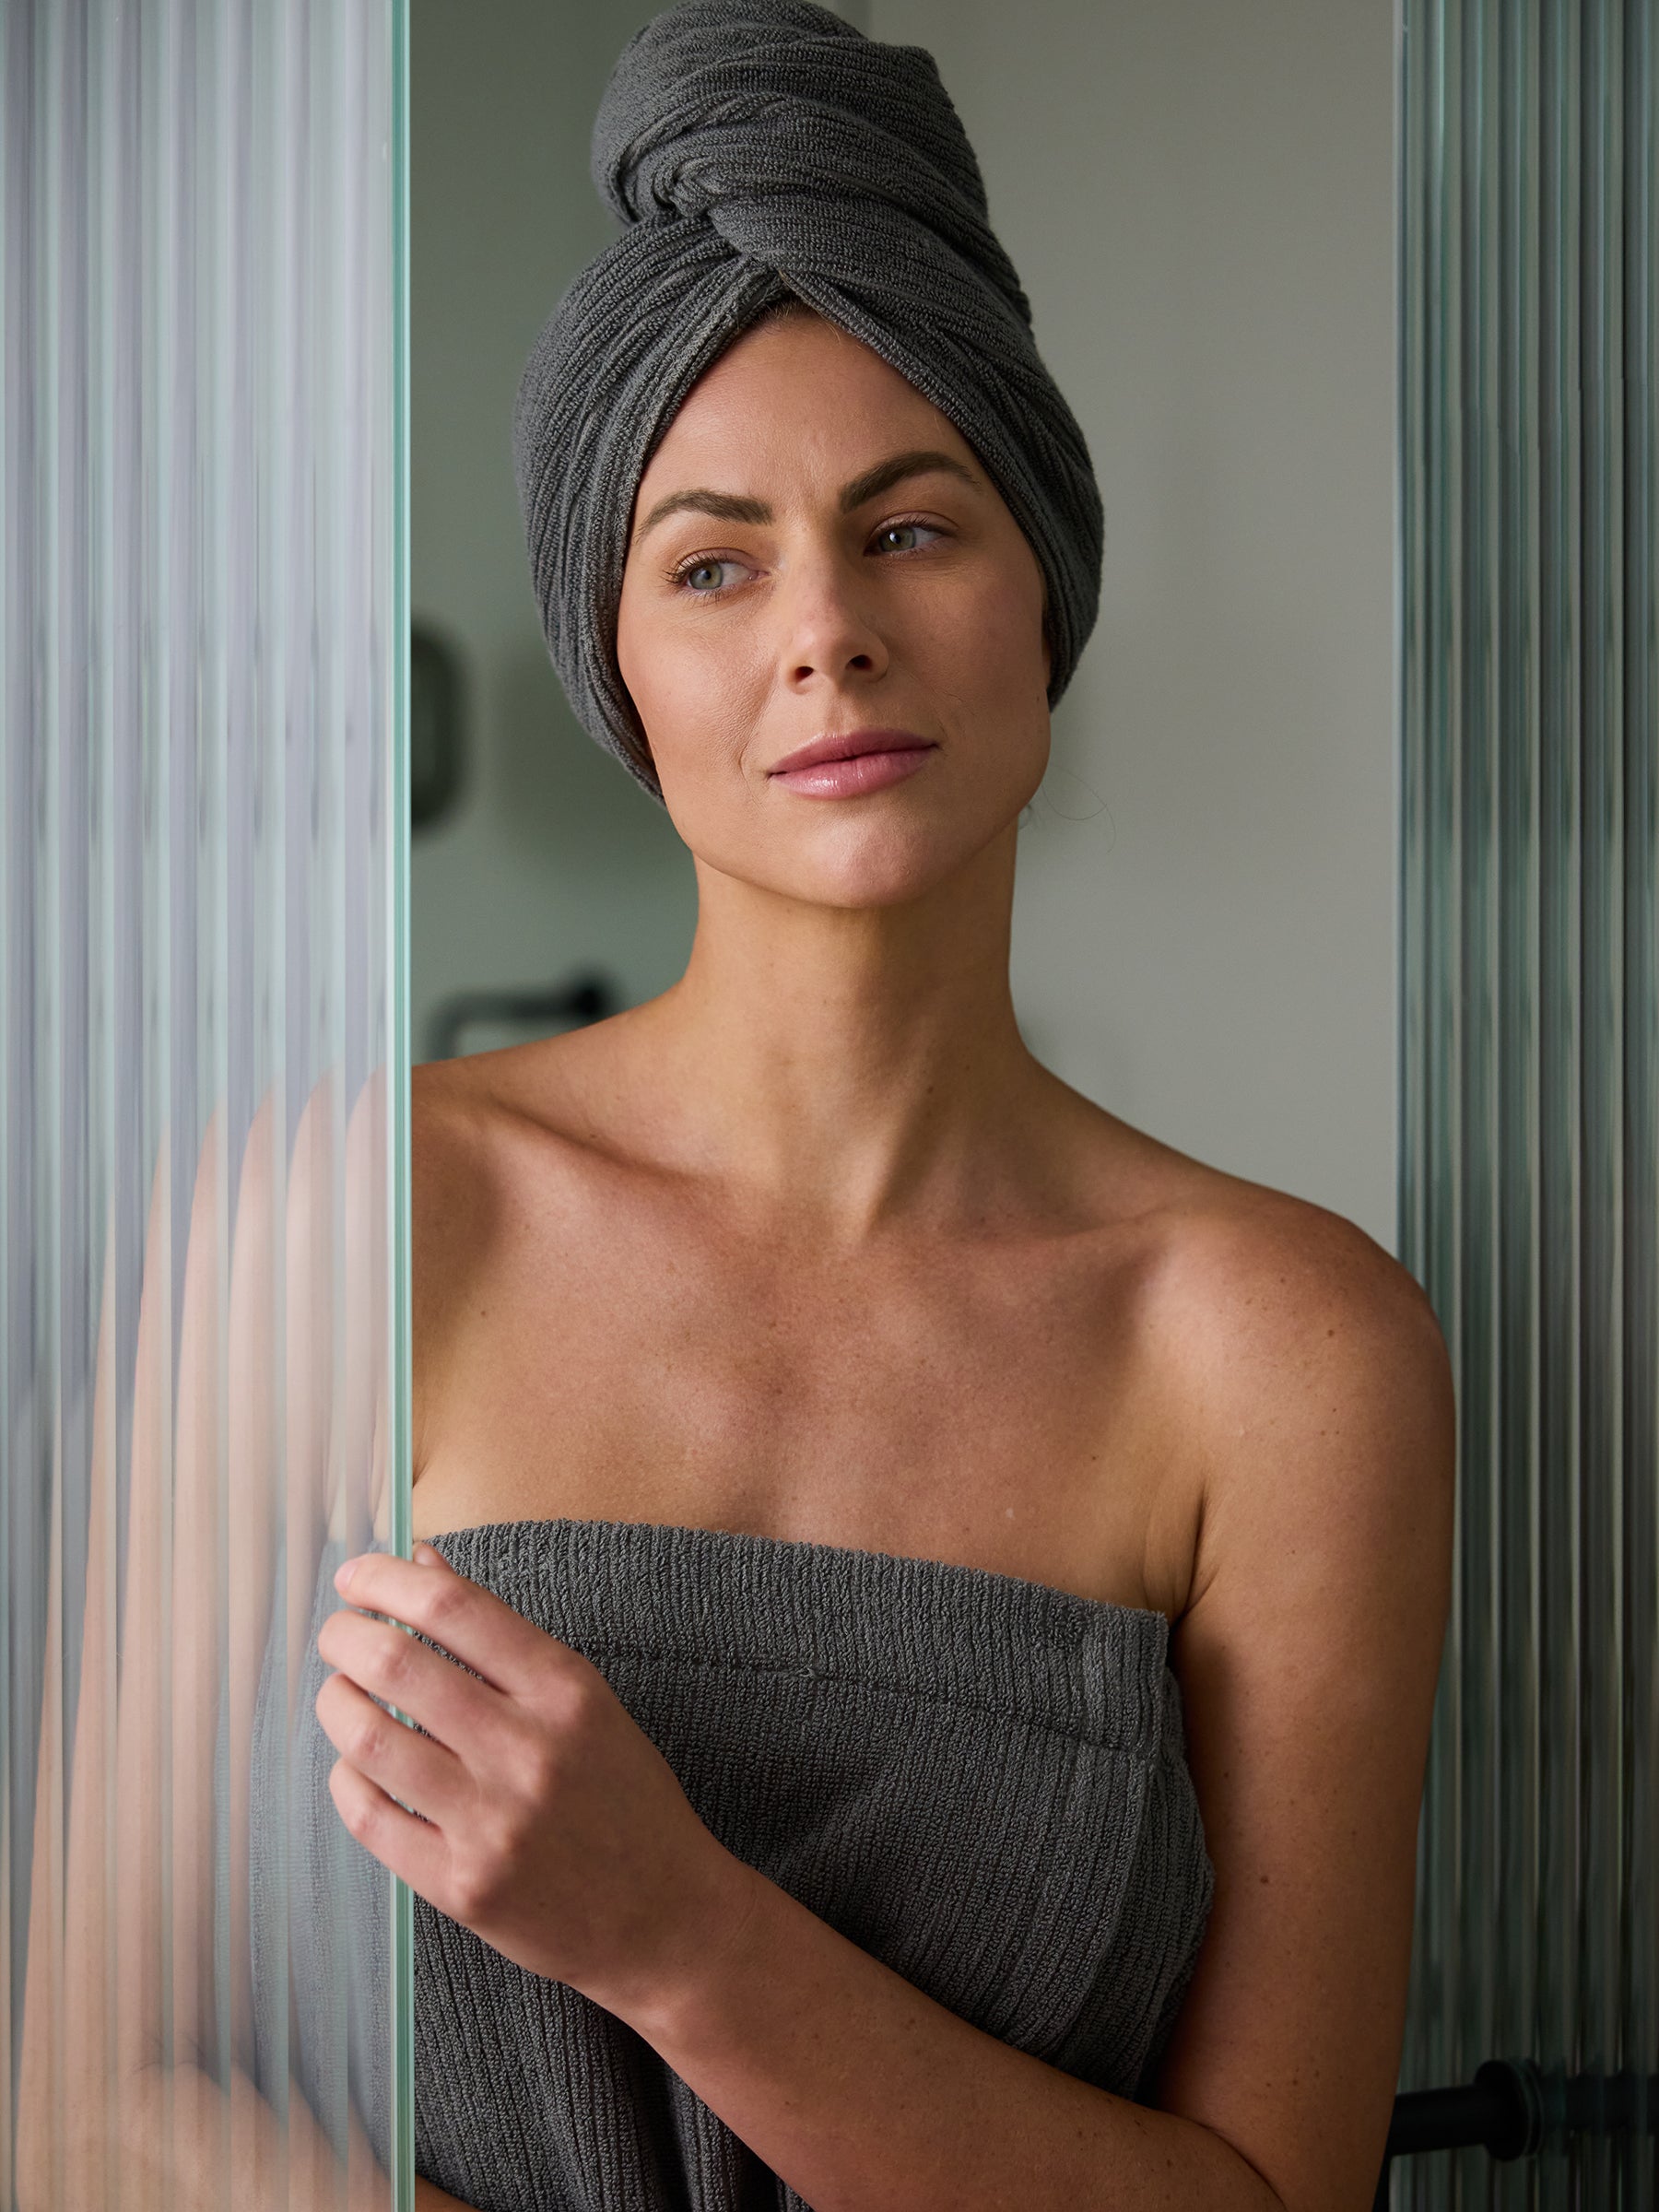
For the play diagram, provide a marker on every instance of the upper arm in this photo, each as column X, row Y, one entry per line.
column 1308, row 1658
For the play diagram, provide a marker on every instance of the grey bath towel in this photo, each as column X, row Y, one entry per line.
column 979, row 1780
column 756, row 148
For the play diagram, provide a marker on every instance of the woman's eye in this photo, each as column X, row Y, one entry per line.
column 689, row 574
column 897, row 530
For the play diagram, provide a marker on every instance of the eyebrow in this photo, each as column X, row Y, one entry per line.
column 737, row 507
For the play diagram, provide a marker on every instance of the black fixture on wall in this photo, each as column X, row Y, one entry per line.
column 436, row 726
column 589, row 995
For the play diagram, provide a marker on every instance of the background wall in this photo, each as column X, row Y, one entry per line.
column 1199, row 199
column 552, row 859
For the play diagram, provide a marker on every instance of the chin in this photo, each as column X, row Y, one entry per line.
column 870, row 863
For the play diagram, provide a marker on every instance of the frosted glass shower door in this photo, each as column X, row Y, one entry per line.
column 1530, row 1061
column 202, row 1089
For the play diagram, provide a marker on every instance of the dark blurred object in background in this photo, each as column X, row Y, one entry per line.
column 436, row 726
column 587, row 996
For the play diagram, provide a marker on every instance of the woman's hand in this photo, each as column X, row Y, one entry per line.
column 550, row 1824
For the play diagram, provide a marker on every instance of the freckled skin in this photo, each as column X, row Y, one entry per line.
column 888, row 1267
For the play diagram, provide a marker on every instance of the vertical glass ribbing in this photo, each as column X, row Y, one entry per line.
column 203, row 1333
column 1529, row 1013
column 395, row 846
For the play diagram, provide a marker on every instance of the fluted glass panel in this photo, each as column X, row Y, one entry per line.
column 202, row 1106
column 1529, row 1200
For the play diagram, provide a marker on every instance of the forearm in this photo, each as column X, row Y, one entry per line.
column 867, row 2096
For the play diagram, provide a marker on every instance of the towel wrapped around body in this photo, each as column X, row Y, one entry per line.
column 981, row 1780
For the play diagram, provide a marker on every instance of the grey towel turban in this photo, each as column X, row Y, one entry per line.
column 757, row 149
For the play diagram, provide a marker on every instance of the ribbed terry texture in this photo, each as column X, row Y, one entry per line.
column 979, row 1780
column 757, row 149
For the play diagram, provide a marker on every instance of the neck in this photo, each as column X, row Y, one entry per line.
column 842, row 1066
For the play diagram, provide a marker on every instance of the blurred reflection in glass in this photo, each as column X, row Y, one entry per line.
column 201, row 616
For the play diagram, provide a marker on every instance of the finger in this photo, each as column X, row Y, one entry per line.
column 452, row 1706
column 473, row 1623
column 414, row 1850
column 419, row 1770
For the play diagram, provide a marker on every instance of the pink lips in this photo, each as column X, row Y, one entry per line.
column 842, row 764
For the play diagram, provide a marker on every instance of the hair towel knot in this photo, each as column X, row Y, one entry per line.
column 753, row 150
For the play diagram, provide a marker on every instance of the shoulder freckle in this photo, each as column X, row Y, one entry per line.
column 1284, row 1315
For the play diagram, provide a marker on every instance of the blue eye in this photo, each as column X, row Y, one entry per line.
column 704, row 576
column 685, row 575
column 888, row 529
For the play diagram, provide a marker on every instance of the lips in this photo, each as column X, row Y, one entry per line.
column 849, row 745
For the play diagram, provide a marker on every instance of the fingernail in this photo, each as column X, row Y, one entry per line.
column 344, row 1572
column 425, row 1556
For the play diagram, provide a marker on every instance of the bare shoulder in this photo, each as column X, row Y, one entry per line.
column 456, row 1195
column 494, row 1138
column 1318, row 1383
column 1311, row 1362
column 479, row 1125
column 451, row 1140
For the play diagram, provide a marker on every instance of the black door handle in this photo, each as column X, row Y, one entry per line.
column 1511, row 2107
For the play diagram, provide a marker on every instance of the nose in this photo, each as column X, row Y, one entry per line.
column 828, row 630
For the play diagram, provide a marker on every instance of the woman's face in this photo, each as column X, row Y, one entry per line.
column 783, row 581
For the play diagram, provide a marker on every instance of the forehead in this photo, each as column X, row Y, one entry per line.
column 797, row 401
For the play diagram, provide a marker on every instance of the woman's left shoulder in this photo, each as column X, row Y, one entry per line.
column 1316, row 1380
column 1287, row 1309
column 1315, row 1384
column 1252, row 1289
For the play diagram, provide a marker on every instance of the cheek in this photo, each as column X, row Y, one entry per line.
column 986, row 671
column 687, row 685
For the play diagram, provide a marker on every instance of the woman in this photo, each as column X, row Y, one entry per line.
column 1009, row 1559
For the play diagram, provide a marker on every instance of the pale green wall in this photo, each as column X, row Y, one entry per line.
column 554, row 857
column 1199, row 199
